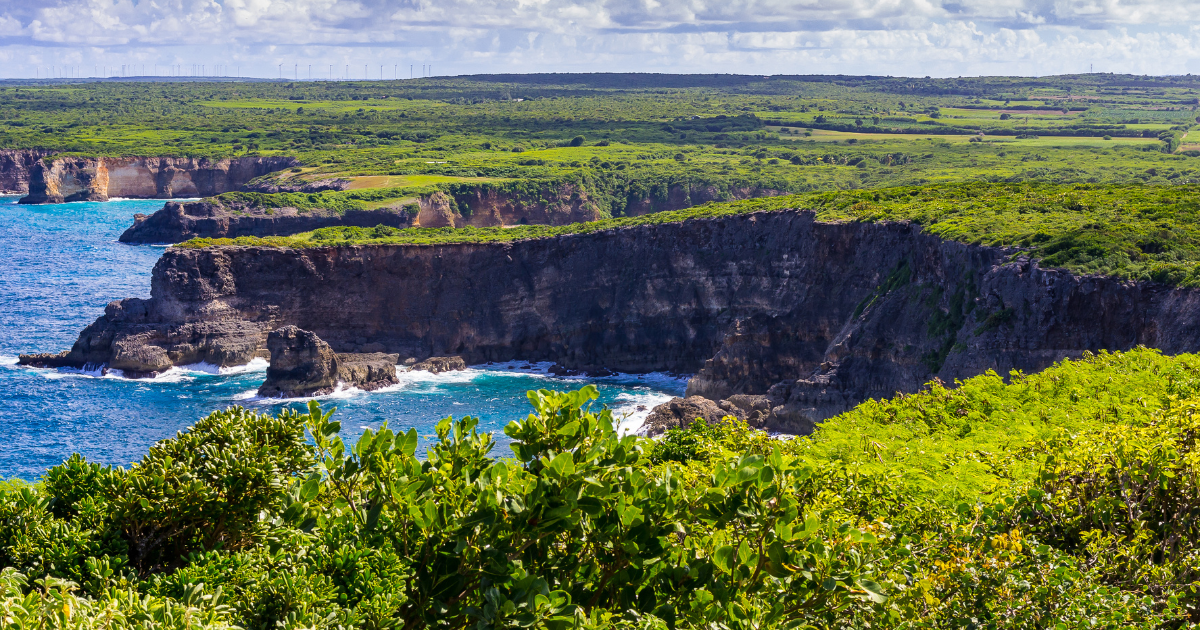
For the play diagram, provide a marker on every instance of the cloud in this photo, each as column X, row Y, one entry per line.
column 901, row 37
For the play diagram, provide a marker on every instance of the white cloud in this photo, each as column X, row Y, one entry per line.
column 900, row 37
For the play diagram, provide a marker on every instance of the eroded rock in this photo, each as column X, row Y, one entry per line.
column 765, row 412
column 301, row 365
column 368, row 371
column 75, row 178
column 437, row 365
column 682, row 412
column 46, row 359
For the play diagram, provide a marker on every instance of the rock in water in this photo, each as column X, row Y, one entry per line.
column 437, row 365
column 301, row 365
column 368, row 371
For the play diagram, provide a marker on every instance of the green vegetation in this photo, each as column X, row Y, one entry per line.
column 1063, row 499
column 1128, row 231
column 646, row 141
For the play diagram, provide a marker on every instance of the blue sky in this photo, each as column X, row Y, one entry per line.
column 357, row 37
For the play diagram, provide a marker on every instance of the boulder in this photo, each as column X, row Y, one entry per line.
column 757, row 411
column 437, row 365
column 681, row 412
column 558, row 370
column 301, row 365
column 369, row 371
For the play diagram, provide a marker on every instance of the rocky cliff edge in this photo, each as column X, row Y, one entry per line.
column 818, row 316
column 63, row 179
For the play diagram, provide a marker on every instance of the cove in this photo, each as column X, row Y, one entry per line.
column 63, row 264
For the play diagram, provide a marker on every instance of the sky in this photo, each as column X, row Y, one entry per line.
column 356, row 39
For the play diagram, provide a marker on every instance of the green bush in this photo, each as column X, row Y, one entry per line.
column 1062, row 499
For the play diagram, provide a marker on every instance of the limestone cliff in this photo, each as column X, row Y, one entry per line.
column 482, row 206
column 819, row 315
column 62, row 179
column 15, row 168
column 490, row 207
column 680, row 196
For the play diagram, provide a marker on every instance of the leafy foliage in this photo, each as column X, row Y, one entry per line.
column 1077, row 511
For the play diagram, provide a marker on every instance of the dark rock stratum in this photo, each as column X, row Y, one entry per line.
column 816, row 316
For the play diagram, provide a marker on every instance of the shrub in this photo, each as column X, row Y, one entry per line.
column 1063, row 498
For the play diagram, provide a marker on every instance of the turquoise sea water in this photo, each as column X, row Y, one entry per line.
column 62, row 263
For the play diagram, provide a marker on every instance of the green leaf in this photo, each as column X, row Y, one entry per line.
column 408, row 445
column 373, row 516
column 563, row 464
column 723, row 558
column 874, row 591
column 310, row 489
column 744, row 554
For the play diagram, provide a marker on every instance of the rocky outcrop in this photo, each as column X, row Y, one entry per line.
column 816, row 316
column 368, row 371
column 15, row 168
column 437, row 365
column 62, row 179
column 303, row 365
column 755, row 410
column 681, row 413
column 177, row 222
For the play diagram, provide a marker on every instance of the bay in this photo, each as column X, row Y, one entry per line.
column 62, row 264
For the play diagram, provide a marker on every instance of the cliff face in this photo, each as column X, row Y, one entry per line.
column 65, row 179
column 681, row 196
column 819, row 315
column 487, row 207
column 15, row 168
column 177, row 222
column 482, row 207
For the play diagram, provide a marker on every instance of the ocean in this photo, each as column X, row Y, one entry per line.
column 62, row 264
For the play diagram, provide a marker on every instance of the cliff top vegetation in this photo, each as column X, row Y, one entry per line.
column 783, row 134
column 224, row 119
column 1065, row 499
column 1128, row 231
